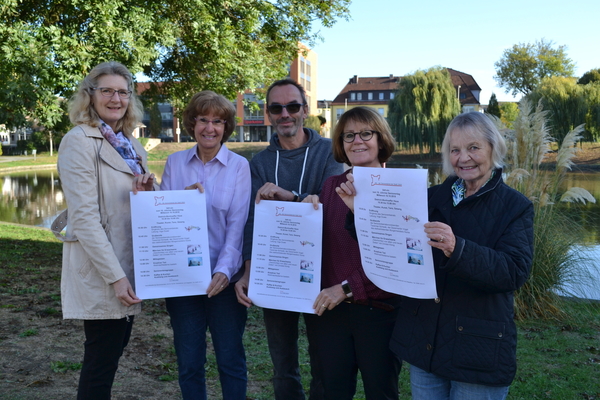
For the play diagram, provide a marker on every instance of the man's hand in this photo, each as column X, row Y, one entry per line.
column 270, row 191
column 241, row 286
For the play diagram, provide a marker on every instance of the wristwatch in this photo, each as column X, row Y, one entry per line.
column 296, row 195
column 346, row 289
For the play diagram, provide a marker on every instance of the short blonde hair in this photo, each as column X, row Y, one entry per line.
column 81, row 109
column 477, row 124
column 375, row 121
column 207, row 102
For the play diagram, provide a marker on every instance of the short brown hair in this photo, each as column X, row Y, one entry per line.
column 284, row 82
column 207, row 102
column 375, row 121
column 81, row 110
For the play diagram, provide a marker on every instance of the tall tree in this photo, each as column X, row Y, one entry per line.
column 522, row 68
column 569, row 105
column 48, row 46
column 493, row 107
column 590, row 76
column 423, row 107
column 510, row 112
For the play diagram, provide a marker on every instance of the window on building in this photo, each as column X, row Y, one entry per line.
column 370, row 96
column 380, row 111
column 339, row 113
column 380, row 95
column 391, row 95
column 359, row 96
column 302, row 65
column 463, row 96
column 308, row 73
column 352, row 96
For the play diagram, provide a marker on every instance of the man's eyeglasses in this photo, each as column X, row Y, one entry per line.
column 217, row 123
column 349, row 137
column 291, row 108
column 109, row 92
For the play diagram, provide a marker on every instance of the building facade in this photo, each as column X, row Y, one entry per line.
column 376, row 93
column 253, row 123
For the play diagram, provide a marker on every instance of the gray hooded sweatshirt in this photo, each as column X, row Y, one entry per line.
column 303, row 170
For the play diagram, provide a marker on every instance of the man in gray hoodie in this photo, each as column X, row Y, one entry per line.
column 295, row 164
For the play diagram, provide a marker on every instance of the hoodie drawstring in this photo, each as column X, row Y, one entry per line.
column 301, row 175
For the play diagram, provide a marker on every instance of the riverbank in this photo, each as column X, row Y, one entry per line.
column 586, row 159
column 41, row 353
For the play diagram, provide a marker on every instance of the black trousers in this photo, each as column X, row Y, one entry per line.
column 105, row 340
column 354, row 337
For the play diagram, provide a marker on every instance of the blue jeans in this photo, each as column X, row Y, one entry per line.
column 428, row 386
column 282, row 338
column 226, row 319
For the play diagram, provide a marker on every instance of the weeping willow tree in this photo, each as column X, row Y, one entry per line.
column 423, row 107
column 555, row 263
column 570, row 104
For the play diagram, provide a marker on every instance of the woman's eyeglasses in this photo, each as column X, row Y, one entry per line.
column 349, row 137
column 291, row 108
column 110, row 92
column 217, row 123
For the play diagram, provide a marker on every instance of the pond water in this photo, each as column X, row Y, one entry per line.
column 36, row 197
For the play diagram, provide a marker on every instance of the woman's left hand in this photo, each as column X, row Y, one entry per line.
column 143, row 183
column 312, row 198
column 217, row 284
column 328, row 299
column 441, row 236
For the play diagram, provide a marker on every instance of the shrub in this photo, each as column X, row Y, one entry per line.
column 556, row 263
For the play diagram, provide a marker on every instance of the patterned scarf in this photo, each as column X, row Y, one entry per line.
column 459, row 190
column 123, row 146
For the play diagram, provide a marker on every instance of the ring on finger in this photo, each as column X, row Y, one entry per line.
column 323, row 305
column 442, row 239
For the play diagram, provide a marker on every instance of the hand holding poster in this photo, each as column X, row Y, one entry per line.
column 170, row 241
column 286, row 255
column 390, row 210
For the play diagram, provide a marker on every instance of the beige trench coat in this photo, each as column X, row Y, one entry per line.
column 102, row 255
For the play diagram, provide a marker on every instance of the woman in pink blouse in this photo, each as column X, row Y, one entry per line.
column 355, row 318
column 225, row 178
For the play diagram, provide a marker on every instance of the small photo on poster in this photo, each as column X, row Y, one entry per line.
column 414, row 258
column 413, row 244
column 194, row 261
column 306, row 265
column 306, row 278
column 194, row 249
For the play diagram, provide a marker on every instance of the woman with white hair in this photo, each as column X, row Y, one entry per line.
column 462, row 345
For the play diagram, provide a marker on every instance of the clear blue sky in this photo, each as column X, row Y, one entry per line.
column 398, row 37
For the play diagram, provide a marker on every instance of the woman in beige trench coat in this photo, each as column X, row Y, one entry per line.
column 99, row 163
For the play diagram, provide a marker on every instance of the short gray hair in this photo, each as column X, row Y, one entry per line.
column 476, row 123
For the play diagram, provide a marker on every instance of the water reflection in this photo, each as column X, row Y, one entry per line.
column 36, row 197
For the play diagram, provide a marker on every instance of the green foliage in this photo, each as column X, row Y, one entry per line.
column 29, row 332
column 590, row 76
column 422, row 108
column 570, row 105
column 509, row 112
column 64, row 366
column 47, row 47
column 556, row 235
column 25, row 145
column 155, row 120
column 493, row 107
column 522, row 68
column 313, row 122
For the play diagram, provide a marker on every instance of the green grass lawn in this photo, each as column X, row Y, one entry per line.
column 556, row 359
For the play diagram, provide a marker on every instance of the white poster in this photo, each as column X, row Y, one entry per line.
column 170, row 242
column 286, row 255
column 390, row 210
